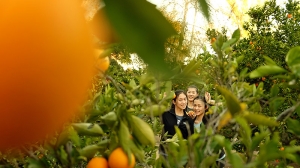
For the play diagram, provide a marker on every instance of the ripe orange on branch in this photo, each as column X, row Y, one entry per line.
column 119, row 159
column 46, row 66
column 97, row 162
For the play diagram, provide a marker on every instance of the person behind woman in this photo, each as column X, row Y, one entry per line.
column 200, row 108
column 177, row 116
column 192, row 92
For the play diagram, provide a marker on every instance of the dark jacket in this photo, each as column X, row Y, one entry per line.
column 169, row 121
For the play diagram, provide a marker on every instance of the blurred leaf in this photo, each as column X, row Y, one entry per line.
column 208, row 161
column 88, row 129
column 245, row 132
column 34, row 163
column 228, row 43
column 236, row 35
column 225, row 118
column 124, row 135
column 269, row 61
column 132, row 84
column 142, row 131
column 74, row 137
column 62, row 138
column 239, row 59
column 89, row 151
column 63, row 155
column 268, row 151
column 204, row 8
column 168, row 86
column 275, row 103
column 232, row 102
column 146, row 38
column 256, row 140
column 266, row 70
column 243, row 73
column 110, row 118
column 293, row 126
column 255, row 107
column 155, row 110
column 293, row 60
column 138, row 152
column 259, row 119
column 274, row 91
column 236, row 161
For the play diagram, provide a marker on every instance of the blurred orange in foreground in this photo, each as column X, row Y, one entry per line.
column 46, row 64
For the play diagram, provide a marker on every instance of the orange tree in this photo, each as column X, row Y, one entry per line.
column 117, row 115
column 272, row 31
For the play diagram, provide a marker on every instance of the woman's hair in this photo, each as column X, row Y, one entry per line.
column 194, row 87
column 177, row 93
column 202, row 98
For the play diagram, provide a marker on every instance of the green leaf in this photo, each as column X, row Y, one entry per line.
column 209, row 160
column 124, row 135
column 110, row 118
column 293, row 126
column 168, row 86
column 204, row 8
column 274, row 90
column 232, row 102
column 256, row 140
column 266, row 70
column 142, row 131
column 90, row 151
column 138, row 152
column 228, row 43
column 236, row 161
column 132, row 84
column 268, row 151
column 269, row 61
column 236, row 35
column 259, row 119
column 275, row 103
column 239, row 59
column 293, row 60
column 32, row 163
column 255, row 107
column 142, row 28
column 245, row 131
column 244, row 72
column 88, row 129
column 155, row 110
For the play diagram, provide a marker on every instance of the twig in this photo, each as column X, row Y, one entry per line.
column 284, row 115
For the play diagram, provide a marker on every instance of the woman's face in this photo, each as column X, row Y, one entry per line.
column 199, row 107
column 180, row 101
column 191, row 94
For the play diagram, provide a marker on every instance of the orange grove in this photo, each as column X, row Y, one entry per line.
column 46, row 66
column 119, row 159
column 97, row 162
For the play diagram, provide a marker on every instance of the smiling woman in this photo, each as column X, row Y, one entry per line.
column 176, row 116
column 46, row 66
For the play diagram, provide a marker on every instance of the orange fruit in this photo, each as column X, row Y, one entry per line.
column 263, row 78
column 289, row 15
column 119, row 159
column 97, row 162
column 282, row 148
column 102, row 64
column 46, row 66
column 212, row 40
